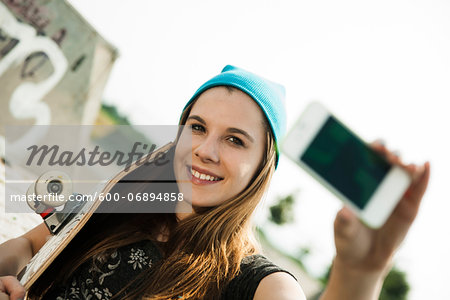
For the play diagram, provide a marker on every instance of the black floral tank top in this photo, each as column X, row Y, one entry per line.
column 100, row 280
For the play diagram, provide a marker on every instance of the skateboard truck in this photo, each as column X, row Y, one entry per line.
column 51, row 190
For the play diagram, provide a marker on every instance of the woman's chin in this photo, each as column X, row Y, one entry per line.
column 189, row 205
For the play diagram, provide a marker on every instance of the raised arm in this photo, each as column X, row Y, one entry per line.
column 364, row 255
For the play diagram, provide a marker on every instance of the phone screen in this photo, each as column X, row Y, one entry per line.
column 345, row 162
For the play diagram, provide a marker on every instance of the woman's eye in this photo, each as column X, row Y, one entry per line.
column 197, row 127
column 236, row 141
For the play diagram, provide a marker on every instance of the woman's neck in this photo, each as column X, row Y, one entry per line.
column 183, row 210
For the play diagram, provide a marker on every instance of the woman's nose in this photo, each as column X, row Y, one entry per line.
column 207, row 150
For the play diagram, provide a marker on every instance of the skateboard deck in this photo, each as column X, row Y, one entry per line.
column 58, row 242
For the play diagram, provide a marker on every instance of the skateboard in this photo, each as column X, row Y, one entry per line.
column 67, row 223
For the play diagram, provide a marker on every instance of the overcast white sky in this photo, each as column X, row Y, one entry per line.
column 382, row 66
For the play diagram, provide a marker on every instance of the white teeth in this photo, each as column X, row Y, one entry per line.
column 203, row 176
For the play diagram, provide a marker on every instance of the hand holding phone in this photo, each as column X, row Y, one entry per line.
column 364, row 255
column 342, row 162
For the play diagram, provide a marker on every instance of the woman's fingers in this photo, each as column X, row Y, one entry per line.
column 4, row 296
column 345, row 223
column 398, row 224
column 12, row 287
column 420, row 179
column 392, row 156
column 353, row 240
column 419, row 174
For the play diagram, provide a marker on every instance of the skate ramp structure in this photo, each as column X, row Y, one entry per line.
column 53, row 66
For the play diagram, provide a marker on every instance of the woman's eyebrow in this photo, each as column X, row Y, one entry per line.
column 195, row 117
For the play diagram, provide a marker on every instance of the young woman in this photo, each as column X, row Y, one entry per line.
column 235, row 121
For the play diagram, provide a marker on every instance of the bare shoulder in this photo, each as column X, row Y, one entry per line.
column 279, row 285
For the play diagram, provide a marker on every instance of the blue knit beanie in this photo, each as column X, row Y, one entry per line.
column 267, row 94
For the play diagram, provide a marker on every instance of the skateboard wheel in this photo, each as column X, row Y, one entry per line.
column 57, row 185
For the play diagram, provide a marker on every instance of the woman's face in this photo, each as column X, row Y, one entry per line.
column 228, row 142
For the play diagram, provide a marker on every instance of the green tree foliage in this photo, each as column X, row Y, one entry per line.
column 282, row 212
column 395, row 286
column 112, row 112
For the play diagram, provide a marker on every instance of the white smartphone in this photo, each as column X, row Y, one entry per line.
column 341, row 161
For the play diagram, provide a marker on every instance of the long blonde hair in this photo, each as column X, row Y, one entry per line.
column 204, row 250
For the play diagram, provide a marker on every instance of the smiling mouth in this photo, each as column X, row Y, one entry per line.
column 201, row 176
